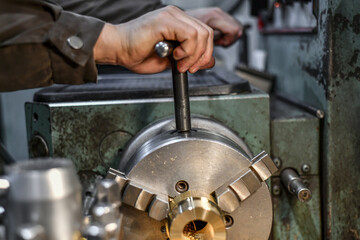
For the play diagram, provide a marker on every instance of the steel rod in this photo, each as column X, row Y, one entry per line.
column 180, row 87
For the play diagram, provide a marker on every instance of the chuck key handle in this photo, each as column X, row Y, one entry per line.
column 180, row 87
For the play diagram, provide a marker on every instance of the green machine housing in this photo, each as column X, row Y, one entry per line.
column 93, row 131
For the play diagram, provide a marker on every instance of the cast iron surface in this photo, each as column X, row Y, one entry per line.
column 323, row 70
column 83, row 131
column 295, row 137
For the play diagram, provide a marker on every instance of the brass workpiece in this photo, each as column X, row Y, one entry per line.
column 194, row 215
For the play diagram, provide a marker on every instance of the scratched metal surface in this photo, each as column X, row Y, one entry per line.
column 92, row 134
column 323, row 70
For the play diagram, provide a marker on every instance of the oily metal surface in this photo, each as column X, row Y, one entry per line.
column 167, row 124
column 205, row 161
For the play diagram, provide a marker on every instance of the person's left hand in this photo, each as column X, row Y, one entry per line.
column 217, row 19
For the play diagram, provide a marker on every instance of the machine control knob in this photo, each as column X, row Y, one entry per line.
column 295, row 185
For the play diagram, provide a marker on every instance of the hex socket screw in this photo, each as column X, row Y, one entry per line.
column 306, row 168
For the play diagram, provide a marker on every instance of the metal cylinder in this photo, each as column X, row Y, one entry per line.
column 294, row 184
column 181, row 98
column 46, row 193
column 195, row 215
column 180, row 87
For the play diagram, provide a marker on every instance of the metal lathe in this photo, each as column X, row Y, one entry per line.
column 204, row 156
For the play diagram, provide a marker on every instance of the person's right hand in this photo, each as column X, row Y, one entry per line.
column 132, row 44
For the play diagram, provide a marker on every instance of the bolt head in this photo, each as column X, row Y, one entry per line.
column 306, row 168
column 276, row 190
column 277, row 162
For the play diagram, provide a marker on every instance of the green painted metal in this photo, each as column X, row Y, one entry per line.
column 323, row 70
column 38, row 122
column 92, row 133
column 295, row 138
column 294, row 220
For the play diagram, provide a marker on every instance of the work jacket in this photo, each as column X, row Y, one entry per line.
column 44, row 42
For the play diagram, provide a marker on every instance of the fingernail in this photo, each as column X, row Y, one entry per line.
column 181, row 69
column 194, row 70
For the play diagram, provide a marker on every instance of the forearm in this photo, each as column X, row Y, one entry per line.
column 34, row 47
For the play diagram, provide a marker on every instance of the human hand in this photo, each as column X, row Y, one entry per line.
column 132, row 44
column 217, row 19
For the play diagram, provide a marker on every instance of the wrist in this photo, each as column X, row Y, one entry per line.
column 104, row 49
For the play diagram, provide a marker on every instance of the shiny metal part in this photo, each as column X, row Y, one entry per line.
column 263, row 165
column 200, row 158
column 243, row 185
column 31, row 232
column 94, row 231
column 140, row 197
column 168, row 124
column 295, row 185
column 108, row 191
column 180, row 87
column 164, row 48
column 109, row 217
column 47, row 193
column 4, row 186
column 195, row 215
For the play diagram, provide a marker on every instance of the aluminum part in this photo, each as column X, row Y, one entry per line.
column 94, row 231
column 109, row 217
column 44, row 192
column 108, row 191
column 31, row 232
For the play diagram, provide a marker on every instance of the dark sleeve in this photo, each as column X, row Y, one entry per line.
column 112, row 11
column 41, row 44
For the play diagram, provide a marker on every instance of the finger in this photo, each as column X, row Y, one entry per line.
column 210, row 64
column 202, row 43
column 206, row 58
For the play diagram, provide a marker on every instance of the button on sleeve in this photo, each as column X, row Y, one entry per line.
column 75, row 35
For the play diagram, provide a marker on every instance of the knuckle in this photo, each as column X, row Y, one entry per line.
column 162, row 15
column 193, row 33
column 217, row 10
column 171, row 8
column 204, row 34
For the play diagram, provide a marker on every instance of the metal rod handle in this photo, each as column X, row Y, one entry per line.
column 180, row 87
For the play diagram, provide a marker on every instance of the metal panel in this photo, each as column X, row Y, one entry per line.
column 323, row 70
column 294, row 219
column 92, row 133
column 295, row 138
